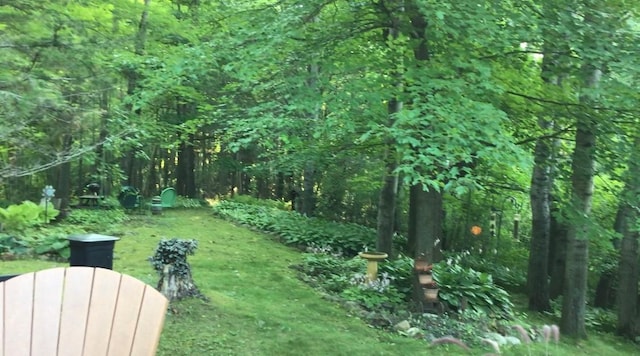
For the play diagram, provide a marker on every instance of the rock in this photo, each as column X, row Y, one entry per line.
column 512, row 340
column 402, row 326
column 496, row 337
column 414, row 332
column 377, row 320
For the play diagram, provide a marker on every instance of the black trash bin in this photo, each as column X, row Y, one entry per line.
column 93, row 250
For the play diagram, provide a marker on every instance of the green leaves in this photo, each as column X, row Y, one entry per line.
column 460, row 286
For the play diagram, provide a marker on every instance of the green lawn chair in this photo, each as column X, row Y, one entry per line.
column 168, row 198
column 130, row 199
column 131, row 202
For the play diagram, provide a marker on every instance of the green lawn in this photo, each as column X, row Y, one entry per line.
column 258, row 306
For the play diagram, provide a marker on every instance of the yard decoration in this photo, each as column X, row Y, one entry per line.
column 372, row 263
column 170, row 261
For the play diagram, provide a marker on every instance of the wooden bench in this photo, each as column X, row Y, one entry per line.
column 79, row 311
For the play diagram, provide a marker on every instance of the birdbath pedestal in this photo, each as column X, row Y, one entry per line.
column 372, row 263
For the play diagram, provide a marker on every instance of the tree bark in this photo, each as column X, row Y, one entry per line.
column 538, row 274
column 176, row 286
column 186, row 184
column 583, row 168
column 427, row 222
column 557, row 253
column 387, row 206
column 628, row 270
column 540, row 194
column 308, row 196
column 389, row 191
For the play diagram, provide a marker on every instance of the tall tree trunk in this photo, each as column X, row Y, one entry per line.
column 132, row 76
column 557, row 252
column 308, row 196
column 583, row 167
column 388, row 192
column 186, row 184
column 605, row 293
column 279, row 186
column 540, row 194
column 387, row 206
column 538, row 274
column 63, row 190
column 426, row 215
column 426, row 222
column 628, row 317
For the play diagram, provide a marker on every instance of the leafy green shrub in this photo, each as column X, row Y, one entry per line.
column 299, row 230
column 268, row 203
column 13, row 245
column 601, row 319
column 373, row 295
column 109, row 203
column 55, row 246
column 401, row 269
column 461, row 287
column 598, row 319
column 331, row 273
column 18, row 217
column 189, row 203
column 507, row 275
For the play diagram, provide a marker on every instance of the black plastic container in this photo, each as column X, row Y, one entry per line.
column 92, row 250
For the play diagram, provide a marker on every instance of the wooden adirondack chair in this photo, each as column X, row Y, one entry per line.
column 77, row 311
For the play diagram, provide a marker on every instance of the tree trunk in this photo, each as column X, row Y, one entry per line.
column 388, row 193
column 557, row 253
column 186, row 181
column 538, row 273
column 540, row 194
column 386, row 208
column 605, row 294
column 427, row 222
column 279, row 186
column 583, row 167
column 628, row 317
column 308, row 196
column 176, row 286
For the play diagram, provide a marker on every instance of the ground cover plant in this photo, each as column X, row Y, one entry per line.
column 259, row 306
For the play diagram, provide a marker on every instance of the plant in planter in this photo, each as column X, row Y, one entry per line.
column 170, row 261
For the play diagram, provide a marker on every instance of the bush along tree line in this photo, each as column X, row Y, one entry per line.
column 416, row 119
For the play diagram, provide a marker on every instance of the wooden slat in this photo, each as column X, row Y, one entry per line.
column 150, row 322
column 75, row 309
column 18, row 306
column 47, row 299
column 125, row 317
column 103, row 305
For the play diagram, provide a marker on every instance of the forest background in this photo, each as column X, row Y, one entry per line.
column 418, row 118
